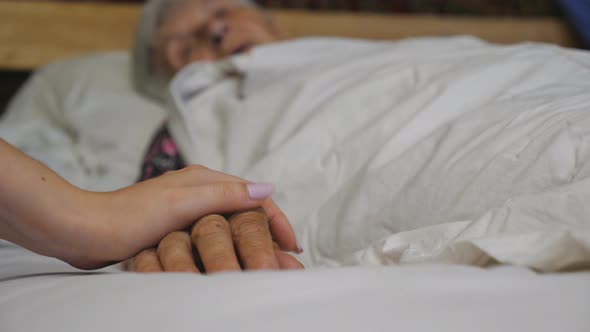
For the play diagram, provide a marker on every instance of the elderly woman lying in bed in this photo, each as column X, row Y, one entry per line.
column 425, row 150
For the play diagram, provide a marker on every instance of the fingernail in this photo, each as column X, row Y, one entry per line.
column 260, row 191
column 299, row 247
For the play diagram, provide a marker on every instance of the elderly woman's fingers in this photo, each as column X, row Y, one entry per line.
column 251, row 236
column 279, row 224
column 147, row 261
column 176, row 253
column 211, row 235
column 280, row 227
column 287, row 262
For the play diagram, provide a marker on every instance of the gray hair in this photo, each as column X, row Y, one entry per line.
column 147, row 78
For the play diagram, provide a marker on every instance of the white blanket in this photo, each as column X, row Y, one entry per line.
column 35, row 296
column 427, row 150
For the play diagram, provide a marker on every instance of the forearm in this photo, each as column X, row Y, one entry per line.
column 31, row 199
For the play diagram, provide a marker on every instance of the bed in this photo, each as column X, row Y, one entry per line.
column 39, row 293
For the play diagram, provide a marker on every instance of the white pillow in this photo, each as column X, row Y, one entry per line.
column 83, row 118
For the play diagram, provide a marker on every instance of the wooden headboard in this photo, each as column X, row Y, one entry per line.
column 33, row 34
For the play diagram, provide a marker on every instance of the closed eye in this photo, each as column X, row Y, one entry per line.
column 221, row 13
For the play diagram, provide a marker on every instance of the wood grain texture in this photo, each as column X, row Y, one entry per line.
column 33, row 34
column 373, row 26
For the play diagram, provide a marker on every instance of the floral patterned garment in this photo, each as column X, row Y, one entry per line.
column 162, row 156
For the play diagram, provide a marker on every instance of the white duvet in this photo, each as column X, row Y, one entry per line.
column 42, row 294
column 428, row 150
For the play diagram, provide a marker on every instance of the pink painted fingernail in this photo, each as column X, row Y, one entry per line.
column 260, row 191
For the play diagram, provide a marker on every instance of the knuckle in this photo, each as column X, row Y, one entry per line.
column 227, row 190
column 248, row 216
column 174, row 239
column 249, row 224
column 144, row 261
column 173, row 244
column 195, row 167
column 144, row 254
column 210, row 225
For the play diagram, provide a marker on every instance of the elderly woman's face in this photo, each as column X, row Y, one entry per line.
column 211, row 30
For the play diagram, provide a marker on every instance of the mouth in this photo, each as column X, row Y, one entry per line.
column 242, row 48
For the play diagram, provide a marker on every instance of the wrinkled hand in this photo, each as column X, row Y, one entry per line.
column 242, row 242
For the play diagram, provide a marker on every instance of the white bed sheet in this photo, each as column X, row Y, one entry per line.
column 35, row 296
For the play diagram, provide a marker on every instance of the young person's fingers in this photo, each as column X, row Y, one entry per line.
column 196, row 175
column 176, row 253
column 252, row 239
column 194, row 202
column 211, row 235
column 287, row 262
column 147, row 261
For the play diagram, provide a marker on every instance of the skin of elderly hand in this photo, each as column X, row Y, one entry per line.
column 244, row 241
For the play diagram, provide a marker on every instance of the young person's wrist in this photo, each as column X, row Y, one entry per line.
column 83, row 230
column 37, row 217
